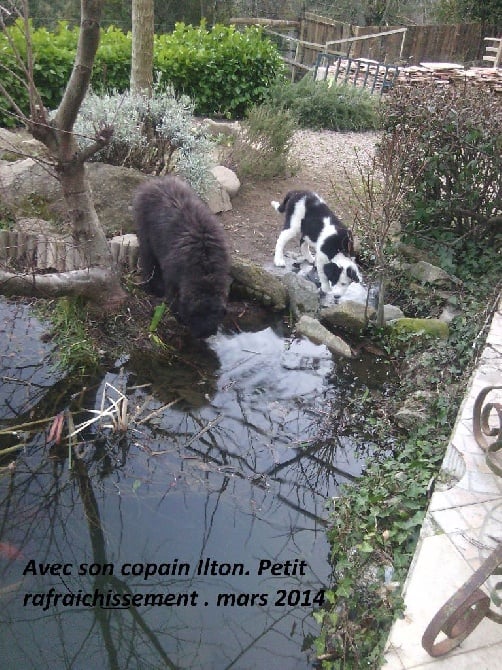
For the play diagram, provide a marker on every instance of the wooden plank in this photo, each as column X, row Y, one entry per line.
column 254, row 21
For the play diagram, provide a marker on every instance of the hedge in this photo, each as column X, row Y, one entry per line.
column 224, row 71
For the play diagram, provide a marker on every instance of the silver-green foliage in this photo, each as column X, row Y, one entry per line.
column 156, row 134
column 264, row 148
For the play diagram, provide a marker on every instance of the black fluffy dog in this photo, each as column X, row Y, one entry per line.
column 183, row 253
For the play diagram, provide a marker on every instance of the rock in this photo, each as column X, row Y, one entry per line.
column 415, row 409
column 409, row 418
column 35, row 226
column 227, row 128
column 432, row 274
column 23, row 178
column 20, row 144
column 256, row 282
column 303, row 295
column 315, row 331
column 414, row 254
column 112, row 189
column 391, row 312
column 449, row 313
column 228, row 179
column 350, row 315
column 217, row 198
column 431, row 327
column 29, row 189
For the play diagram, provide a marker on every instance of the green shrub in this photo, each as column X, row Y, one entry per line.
column 327, row 105
column 224, row 71
column 11, row 74
column 155, row 135
column 263, row 149
column 449, row 143
column 54, row 54
column 112, row 65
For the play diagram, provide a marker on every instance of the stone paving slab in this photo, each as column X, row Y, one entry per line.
column 462, row 526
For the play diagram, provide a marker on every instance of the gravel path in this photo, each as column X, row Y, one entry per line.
column 318, row 150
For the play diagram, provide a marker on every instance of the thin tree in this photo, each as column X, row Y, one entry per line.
column 142, row 46
column 98, row 281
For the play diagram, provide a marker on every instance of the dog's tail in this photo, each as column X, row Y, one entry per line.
column 281, row 207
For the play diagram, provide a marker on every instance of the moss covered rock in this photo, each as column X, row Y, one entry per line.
column 431, row 327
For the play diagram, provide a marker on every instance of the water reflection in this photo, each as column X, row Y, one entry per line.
column 25, row 370
column 223, row 468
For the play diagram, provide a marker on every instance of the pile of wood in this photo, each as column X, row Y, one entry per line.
column 447, row 73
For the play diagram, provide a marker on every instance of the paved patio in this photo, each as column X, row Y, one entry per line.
column 461, row 528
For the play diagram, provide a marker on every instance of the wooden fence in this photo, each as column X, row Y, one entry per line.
column 32, row 252
column 460, row 43
column 410, row 45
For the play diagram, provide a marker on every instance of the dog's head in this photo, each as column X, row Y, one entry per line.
column 202, row 313
column 341, row 271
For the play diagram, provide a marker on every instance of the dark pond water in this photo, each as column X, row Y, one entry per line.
column 196, row 539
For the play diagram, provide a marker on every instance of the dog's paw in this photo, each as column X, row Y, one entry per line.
column 275, row 205
column 279, row 262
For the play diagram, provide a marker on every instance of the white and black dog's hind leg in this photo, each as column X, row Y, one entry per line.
column 292, row 227
column 305, row 250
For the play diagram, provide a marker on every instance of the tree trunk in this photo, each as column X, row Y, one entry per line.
column 91, row 283
column 142, row 46
column 57, row 135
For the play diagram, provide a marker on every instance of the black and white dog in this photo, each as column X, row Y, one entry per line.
column 308, row 215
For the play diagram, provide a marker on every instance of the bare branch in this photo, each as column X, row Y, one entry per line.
column 102, row 138
column 17, row 110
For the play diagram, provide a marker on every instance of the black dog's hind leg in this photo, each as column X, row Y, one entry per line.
column 151, row 272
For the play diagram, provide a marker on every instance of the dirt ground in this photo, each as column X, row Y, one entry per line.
column 253, row 225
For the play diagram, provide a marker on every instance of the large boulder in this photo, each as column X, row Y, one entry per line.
column 19, row 144
column 28, row 188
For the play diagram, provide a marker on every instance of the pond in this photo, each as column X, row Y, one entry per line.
column 196, row 537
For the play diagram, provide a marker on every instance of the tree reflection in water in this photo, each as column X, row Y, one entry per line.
column 225, row 466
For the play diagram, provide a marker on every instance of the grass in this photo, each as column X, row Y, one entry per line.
column 77, row 352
